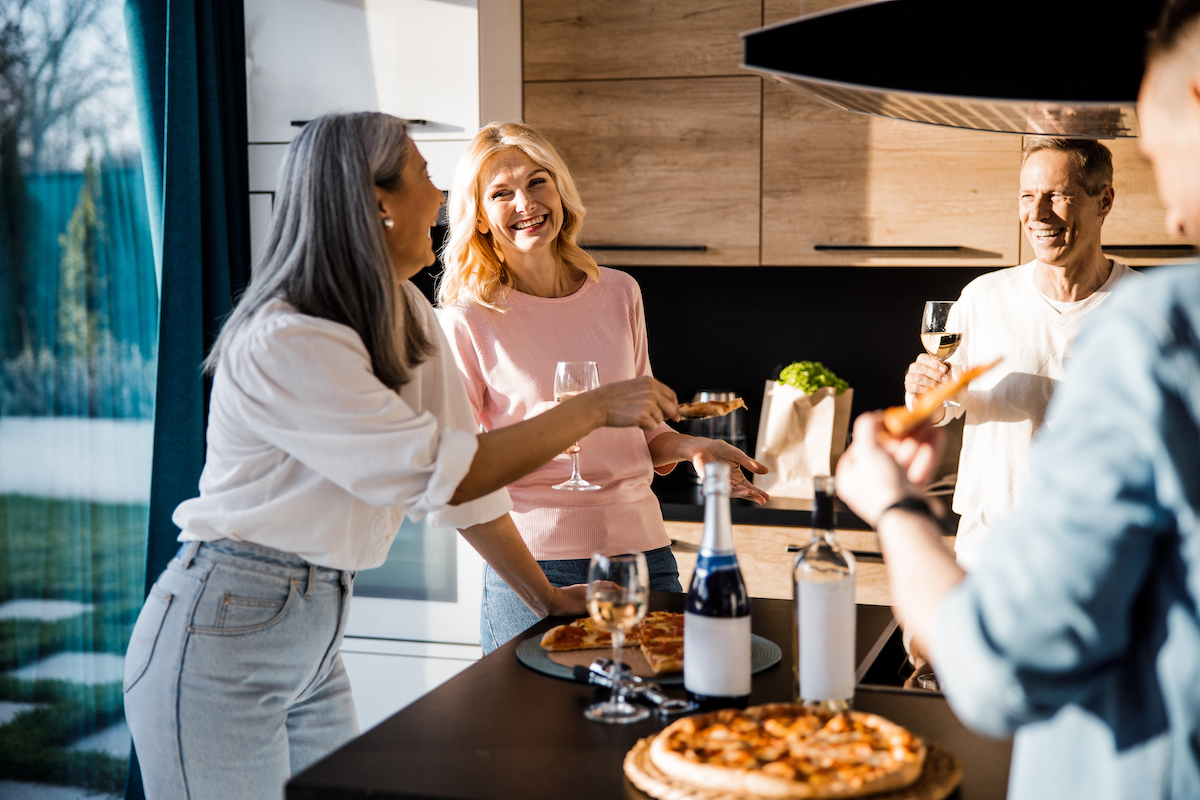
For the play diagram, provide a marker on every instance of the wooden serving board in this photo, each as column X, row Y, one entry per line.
column 942, row 773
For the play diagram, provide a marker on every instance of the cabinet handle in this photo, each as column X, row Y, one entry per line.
column 300, row 123
column 903, row 248
column 1148, row 250
column 657, row 248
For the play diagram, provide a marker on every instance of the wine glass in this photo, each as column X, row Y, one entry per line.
column 939, row 333
column 572, row 378
column 618, row 591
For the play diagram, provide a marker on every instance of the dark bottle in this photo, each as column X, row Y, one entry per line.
column 716, row 642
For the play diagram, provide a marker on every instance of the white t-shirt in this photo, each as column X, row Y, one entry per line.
column 309, row 453
column 1003, row 314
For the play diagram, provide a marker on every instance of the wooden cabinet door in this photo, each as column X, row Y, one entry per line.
column 783, row 10
column 844, row 189
column 1134, row 232
column 601, row 39
column 660, row 163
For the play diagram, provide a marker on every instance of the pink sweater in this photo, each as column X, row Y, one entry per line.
column 508, row 360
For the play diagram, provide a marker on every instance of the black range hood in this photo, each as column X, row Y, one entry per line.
column 1059, row 67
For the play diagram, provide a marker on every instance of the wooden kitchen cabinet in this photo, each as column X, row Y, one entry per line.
column 783, row 10
column 660, row 163
column 609, row 39
column 846, row 189
column 1134, row 232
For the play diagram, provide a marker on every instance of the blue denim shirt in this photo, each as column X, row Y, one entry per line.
column 1080, row 627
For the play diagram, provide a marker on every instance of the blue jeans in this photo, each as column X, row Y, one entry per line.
column 503, row 613
column 233, row 677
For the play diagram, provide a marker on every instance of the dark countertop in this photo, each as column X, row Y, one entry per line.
column 680, row 499
column 500, row 730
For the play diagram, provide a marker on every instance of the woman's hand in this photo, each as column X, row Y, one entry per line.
column 707, row 451
column 641, row 402
column 872, row 475
column 569, row 601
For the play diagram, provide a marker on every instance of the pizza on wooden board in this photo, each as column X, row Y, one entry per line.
column 659, row 634
column 790, row 751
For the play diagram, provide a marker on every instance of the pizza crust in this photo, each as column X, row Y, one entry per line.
column 731, row 750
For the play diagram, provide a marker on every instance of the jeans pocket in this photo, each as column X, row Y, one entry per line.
column 145, row 634
column 240, row 614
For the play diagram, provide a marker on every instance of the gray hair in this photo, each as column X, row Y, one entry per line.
column 326, row 253
column 1093, row 160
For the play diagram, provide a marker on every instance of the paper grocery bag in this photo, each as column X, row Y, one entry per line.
column 800, row 435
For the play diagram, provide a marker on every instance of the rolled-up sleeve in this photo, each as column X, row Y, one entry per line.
column 309, row 391
column 1048, row 610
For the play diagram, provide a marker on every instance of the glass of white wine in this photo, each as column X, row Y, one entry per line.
column 572, row 378
column 618, row 593
column 939, row 332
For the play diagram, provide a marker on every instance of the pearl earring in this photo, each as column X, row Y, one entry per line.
column 389, row 223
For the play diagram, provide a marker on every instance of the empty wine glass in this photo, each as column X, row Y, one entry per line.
column 572, row 378
column 618, row 593
column 940, row 334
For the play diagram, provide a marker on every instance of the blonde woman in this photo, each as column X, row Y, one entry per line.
column 335, row 412
column 518, row 295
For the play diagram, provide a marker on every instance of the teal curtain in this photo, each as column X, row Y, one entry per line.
column 190, row 77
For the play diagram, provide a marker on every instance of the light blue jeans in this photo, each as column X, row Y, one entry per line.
column 233, row 677
column 503, row 614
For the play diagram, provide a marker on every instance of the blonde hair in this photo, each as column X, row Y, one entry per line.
column 474, row 265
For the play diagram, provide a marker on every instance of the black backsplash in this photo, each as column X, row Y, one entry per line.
column 732, row 328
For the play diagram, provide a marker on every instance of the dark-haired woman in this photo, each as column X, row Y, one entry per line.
column 336, row 410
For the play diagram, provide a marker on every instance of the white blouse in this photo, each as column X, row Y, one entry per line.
column 309, row 453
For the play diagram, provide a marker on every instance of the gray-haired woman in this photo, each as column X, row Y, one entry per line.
column 336, row 409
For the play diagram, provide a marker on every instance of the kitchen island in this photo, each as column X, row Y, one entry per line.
column 500, row 730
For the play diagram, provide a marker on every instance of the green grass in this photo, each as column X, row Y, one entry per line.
column 67, row 550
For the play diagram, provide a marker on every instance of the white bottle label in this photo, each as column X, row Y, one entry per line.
column 716, row 655
column 826, row 616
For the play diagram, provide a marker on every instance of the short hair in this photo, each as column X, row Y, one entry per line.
column 326, row 252
column 474, row 265
column 1178, row 21
column 1093, row 160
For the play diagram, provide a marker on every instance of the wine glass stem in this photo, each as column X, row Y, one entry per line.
column 575, row 476
column 618, row 639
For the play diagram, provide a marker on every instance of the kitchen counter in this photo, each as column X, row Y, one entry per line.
column 500, row 730
column 680, row 499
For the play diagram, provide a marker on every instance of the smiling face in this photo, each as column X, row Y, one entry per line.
column 519, row 204
column 1062, row 221
column 413, row 208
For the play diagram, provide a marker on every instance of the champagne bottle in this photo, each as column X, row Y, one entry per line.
column 823, row 583
column 716, row 641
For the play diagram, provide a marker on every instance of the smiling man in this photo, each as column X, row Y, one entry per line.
column 1028, row 316
column 1080, row 629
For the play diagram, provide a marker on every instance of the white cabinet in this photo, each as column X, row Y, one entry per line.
column 386, row 675
column 416, row 59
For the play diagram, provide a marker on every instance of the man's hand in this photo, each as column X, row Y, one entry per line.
column 925, row 373
column 872, row 475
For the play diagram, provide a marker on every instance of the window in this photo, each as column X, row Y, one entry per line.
column 78, row 327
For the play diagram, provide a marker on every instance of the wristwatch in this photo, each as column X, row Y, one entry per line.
column 912, row 503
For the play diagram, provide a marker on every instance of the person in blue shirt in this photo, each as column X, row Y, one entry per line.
column 1079, row 631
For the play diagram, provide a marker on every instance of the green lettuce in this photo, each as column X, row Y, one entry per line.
column 808, row 376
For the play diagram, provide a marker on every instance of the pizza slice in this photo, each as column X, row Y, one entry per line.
column 711, row 408
column 582, row 634
column 663, row 655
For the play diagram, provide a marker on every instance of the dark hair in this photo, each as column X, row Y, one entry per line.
column 326, row 253
column 1094, row 160
column 1178, row 18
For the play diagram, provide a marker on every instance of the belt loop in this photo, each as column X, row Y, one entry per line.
column 312, row 581
column 189, row 555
